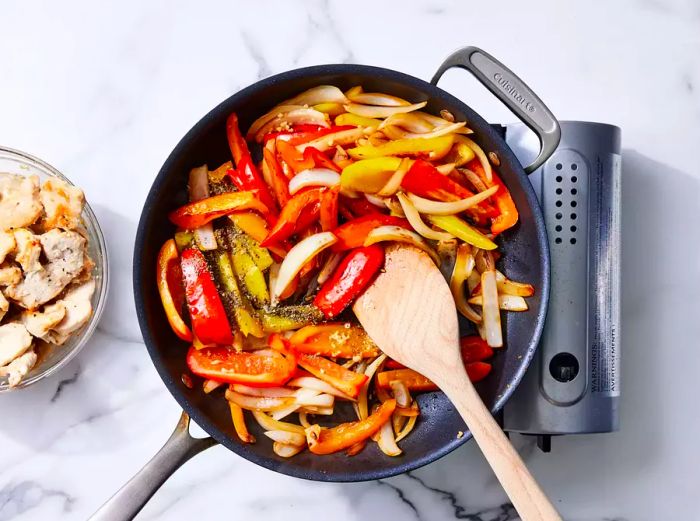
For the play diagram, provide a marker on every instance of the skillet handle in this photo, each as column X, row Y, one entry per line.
column 513, row 92
column 131, row 498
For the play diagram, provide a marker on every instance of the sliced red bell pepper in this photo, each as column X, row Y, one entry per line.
column 209, row 321
column 354, row 273
column 199, row 213
column 246, row 175
column 328, row 213
column 415, row 381
column 248, row 367
column 169, row 279
column 294, row 159
column 342, row 379
column 508, row 213
column 279, row 180
column 320, row 160
column 289, row 221
column 353, row 233
column 359, row 206
column 474, row 349
column 424, row 180
column 328, row 441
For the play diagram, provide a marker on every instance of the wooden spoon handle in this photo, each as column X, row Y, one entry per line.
column 522, row 489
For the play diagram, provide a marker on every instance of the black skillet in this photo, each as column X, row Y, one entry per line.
column 525, row 257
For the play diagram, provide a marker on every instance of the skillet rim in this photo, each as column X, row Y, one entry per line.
column 433, row 91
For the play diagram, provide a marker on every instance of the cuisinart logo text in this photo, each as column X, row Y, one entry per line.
column 510, row 89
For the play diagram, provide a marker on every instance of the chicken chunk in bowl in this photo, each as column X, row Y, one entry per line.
column 53, row 270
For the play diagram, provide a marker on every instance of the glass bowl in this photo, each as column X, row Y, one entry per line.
column 54, row 358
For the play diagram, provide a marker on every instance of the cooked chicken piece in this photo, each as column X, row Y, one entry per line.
column 10, row 274
column 65, row 252
column 18, row 368
column 77, row 302
column 19, row 201
column 7, row 245
column 62, row 205
column 86, row 273
column 28, row 250
column 38, row 323
column 4, row 306
column 14, row 341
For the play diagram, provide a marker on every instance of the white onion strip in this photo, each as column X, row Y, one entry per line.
column 298, row 256
column 376, row 98
column 258, row 403
column 305, row 116
column 463, row 270
column 270, row 424
column 398, row 234
column 407, row 428
column 485, row 164
column 505, row 302
column 362, row 403
column 286, row 451
column 328, row 268
column 311, row 382
column 386, row 440
column 287, row 438
column 410, row 121
column 270, row 392
column 394, row 182
column 490, row 312
column 452, row 207
column 317, row 95
column 373, row 111
column 313, row 177
column 199, row 189
column 417, row 223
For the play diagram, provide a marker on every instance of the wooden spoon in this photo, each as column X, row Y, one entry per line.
column 410, row 314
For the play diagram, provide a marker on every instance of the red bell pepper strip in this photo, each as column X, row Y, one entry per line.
column 289, row 221
column 198, row 213
column 295, row 159
column 354, row 273
column 168, row 283
column 353, row 233
column 320, row 160
column 508, row 213
column 359, row 206
column 209, row 321
column 246, row 175
column 328, row 441
column 424, row 180
column 415, row 381
column 342, row 379
column 328, row 213
column 279, row 180
column 474, row 349
column 250, row 368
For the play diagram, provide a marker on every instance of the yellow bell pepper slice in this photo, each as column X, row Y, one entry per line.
column 332, row 109
column 369, row 175
column 462, row 230
column 358, row 121
column 427, row 148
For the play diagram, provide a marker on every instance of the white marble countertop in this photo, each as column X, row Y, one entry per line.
column 104, row 90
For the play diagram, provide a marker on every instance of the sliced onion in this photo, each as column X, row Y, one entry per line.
column 373, row 111
column 505, row 302
column 322, row 411
column 298, row 256
column 490, row 312
column 484, row 260
column 313, row 177
column 269, row 116
column 464, row 267
column 394, row 207
column 286, row 451
column 286, row 437
column 199, row 189
column 411, row 121
column 452, row 207
column 284, row 412
column 376, row 98
column 317, row 95
column 394, row 183
column 376, row 201
column 474, row 179
column 440, row 131
column 300, row 116
column 209, row 385
column 304, row 420
column 412, row 410
column 509, row 287
column 377, row 139
column 270, row 392
column 436, row 121
column 446, row 168
column 407, row 428
column 344, row 137
column 485, row 163
column 417, row 223
column 311, row 397
column 258, row 403
column 386, row 440
column 401, row 394
column 340, row 155
column 397, row 422
column 398, row 234
column 328, row 268
column 362, row 409
column 270, row 424
column 473, row 280
column 316, row 384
